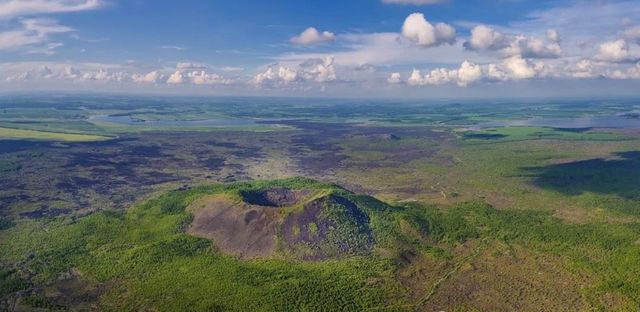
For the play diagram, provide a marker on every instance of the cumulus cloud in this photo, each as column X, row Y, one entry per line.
column 495, row 73
column 196, row 77
column 106, row 73
column 519, row 68
column 468, row 73
column 485, row 38
column 204, row 78
column 418, row 30
column 176, row 78
column 312, row 36
column 413, row 2
column 435, row 77
column 319, row 70
column 615, row 51
column 279, row 76
column 394, row 78
column 584, row 68
column 13, row 8
column 151, row 77
column 629, row 73
column 103, row 75
column 514, row 68
column 381, row 50
column 312, row 70
column 463, row 76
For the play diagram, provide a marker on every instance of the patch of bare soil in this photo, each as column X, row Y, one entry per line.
column 257, row 227
column 247, row 231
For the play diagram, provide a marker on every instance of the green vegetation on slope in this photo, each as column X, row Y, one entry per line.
column 155, row 265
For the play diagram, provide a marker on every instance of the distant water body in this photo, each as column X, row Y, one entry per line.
column 616, row 121
column 128, row 121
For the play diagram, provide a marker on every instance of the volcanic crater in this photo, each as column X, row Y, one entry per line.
column 306, row 224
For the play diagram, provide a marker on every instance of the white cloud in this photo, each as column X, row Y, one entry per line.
column 584, row 68
column 519, row 68
column 196, row 77
column 312, row 36
column 394, row 78
column 413, row 2
column 106, row 76
column 204, row 78
column 383, row 49
column 542, row 45
column 468, row 73
column 319, row 70
column 629, row 73
column 514, row 68
column 496, row 73
column 536, row 48
column 435, row 77
column 463, row 76
column 176, row 78
column 151, row 77
column 581, row 22
column 280, row 76
column 615, row 51
column 485, row 38
column 34, row 31
column 312, row 70
column 15, row 8
column 421, row 32
column 88, row 72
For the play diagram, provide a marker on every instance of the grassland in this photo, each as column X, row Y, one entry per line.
column 44, row 135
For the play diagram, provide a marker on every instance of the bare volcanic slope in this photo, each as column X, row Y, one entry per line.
column 309, row 221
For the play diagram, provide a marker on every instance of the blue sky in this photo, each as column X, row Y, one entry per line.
column 353, row 48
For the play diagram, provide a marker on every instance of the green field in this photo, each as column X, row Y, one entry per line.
column 43, row 135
